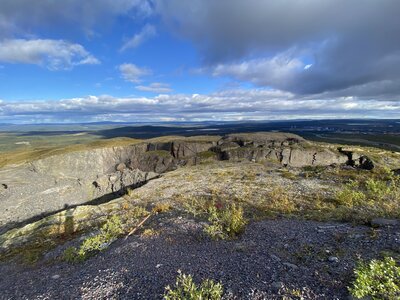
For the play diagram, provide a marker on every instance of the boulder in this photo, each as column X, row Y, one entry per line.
column 121, row 167
column 396, row 172
column 364, row 163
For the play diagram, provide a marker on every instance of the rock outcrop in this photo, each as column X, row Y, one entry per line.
column 57, row 182
column 357, row 160
column 284, row 148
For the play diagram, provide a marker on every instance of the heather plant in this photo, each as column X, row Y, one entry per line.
column 186, row 289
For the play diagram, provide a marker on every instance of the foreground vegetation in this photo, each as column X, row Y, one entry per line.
column 378, row 279
column 109, row 232
column 186, row 289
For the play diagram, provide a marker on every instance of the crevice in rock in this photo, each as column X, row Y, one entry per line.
column 314, row 158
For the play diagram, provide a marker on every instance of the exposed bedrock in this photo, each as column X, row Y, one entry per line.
column 285, row 148
column 44, row 186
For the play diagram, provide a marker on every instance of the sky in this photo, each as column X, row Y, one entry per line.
column 178, row 60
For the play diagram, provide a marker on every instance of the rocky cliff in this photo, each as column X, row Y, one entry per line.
column 44, row 186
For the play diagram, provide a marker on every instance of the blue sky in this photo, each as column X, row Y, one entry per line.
column 176, row 60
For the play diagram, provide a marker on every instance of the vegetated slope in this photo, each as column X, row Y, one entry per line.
column 282, row 251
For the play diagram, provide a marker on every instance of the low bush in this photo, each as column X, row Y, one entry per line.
column 225, row 221
column 378, row 279
column 376, row 196
column 350, row 195
column 109, row 232
column 186, row 289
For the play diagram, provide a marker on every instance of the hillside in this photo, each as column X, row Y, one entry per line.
column 269, row 215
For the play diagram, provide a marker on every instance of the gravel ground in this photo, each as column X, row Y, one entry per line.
column 271, row 259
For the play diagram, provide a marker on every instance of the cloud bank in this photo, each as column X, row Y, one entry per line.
column 255, row 104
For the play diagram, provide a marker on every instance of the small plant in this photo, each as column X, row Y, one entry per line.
column 279, row 200
column 186, row 289
column 161, row 207
column 379, row 279
column 226, row 222
column 130, row 192
column 108, row 233
column 350, row 195
column 377, row 189
column 288, row 175
column 149, row 232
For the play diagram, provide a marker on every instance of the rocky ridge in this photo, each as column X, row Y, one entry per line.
column 282, row 182
column 35, row 189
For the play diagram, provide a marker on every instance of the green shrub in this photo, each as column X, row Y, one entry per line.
column 378, row 195
column 71, row 254
column 226, row 222
column 109, row 232
column 379, row 279
column 186, row 289
column 350, row 195
column 377, row 189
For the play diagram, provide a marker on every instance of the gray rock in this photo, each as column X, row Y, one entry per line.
column 275, row 258
column 365, row 163
column 121, row 167
column 381, row 222
column 286, row 149
column 333, row 259
column 291, row 266
column 277, row 285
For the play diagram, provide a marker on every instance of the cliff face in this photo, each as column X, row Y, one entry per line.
column 284, row 148
column 54, row 183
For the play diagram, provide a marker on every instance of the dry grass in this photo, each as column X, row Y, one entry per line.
column 161, row 207
column 149, row 232
column 322, row 196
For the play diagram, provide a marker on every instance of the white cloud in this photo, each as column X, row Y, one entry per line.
column 156, row 87
column 275, row 71
column 241, row 104
column 133, row 73
column 146, row 33
column 53, row 54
